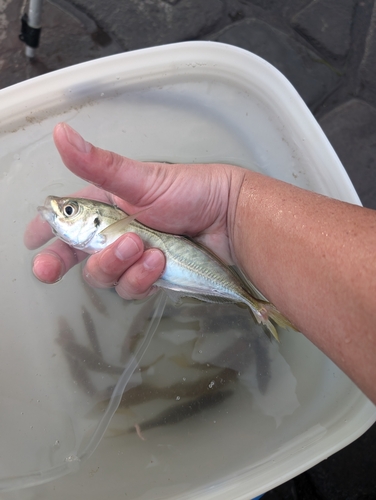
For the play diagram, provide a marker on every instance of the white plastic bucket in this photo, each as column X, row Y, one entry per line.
column 189, row 102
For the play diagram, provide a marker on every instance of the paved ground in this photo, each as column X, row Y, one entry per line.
column 327, row 48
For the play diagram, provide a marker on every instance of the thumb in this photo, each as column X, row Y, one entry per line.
column 123, row 177
column 186, row 199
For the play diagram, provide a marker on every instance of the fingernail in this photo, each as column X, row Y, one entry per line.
column 126, row 248
column 152, row 260
column 76, row 140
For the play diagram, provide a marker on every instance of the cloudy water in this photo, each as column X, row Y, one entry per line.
column 212, row 397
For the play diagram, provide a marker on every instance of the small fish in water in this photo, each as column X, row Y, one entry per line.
column 191, row 269
column 181, row 412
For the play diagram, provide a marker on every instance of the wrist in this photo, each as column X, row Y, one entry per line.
column 240, row 215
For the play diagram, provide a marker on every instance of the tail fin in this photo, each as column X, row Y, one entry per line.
column 264, row 312
column 272, row 329
column 278, row 318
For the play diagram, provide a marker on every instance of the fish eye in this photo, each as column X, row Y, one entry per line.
column 69, row 209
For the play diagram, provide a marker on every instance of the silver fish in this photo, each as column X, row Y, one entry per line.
column 191, row 269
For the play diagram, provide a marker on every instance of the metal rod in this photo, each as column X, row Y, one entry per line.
column 34, row 21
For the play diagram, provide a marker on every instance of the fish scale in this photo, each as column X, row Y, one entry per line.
column 195, row 261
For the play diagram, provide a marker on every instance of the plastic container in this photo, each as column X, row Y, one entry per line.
column 190, row 102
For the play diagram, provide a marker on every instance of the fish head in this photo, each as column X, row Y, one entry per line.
column 76, row 221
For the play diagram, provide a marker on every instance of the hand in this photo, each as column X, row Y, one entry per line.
column 195, row 200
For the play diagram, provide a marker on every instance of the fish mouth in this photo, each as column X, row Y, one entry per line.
column 47, row 211
column 46, row 214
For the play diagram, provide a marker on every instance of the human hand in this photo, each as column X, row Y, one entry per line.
column 195, row 200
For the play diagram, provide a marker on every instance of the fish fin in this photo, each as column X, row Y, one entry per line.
column 268, row 312
column 272, row 330
column 255, row 292
column 263, row 315
column 278, row 317
column 173, row 295
column 263, row 310
column 212, row 299
column 176, row 293
column 120, row 225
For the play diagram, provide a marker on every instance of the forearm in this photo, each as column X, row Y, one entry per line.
column 315, row 259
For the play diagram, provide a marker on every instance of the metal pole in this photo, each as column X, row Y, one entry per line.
column 31, row 25
column 34, row 21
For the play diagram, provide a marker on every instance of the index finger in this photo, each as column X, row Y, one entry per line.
column 37, row 233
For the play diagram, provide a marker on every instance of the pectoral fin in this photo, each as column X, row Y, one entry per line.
column 120, row 226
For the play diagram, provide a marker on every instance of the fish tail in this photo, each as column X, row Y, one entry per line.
column 278, row 317
column 264, row 312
